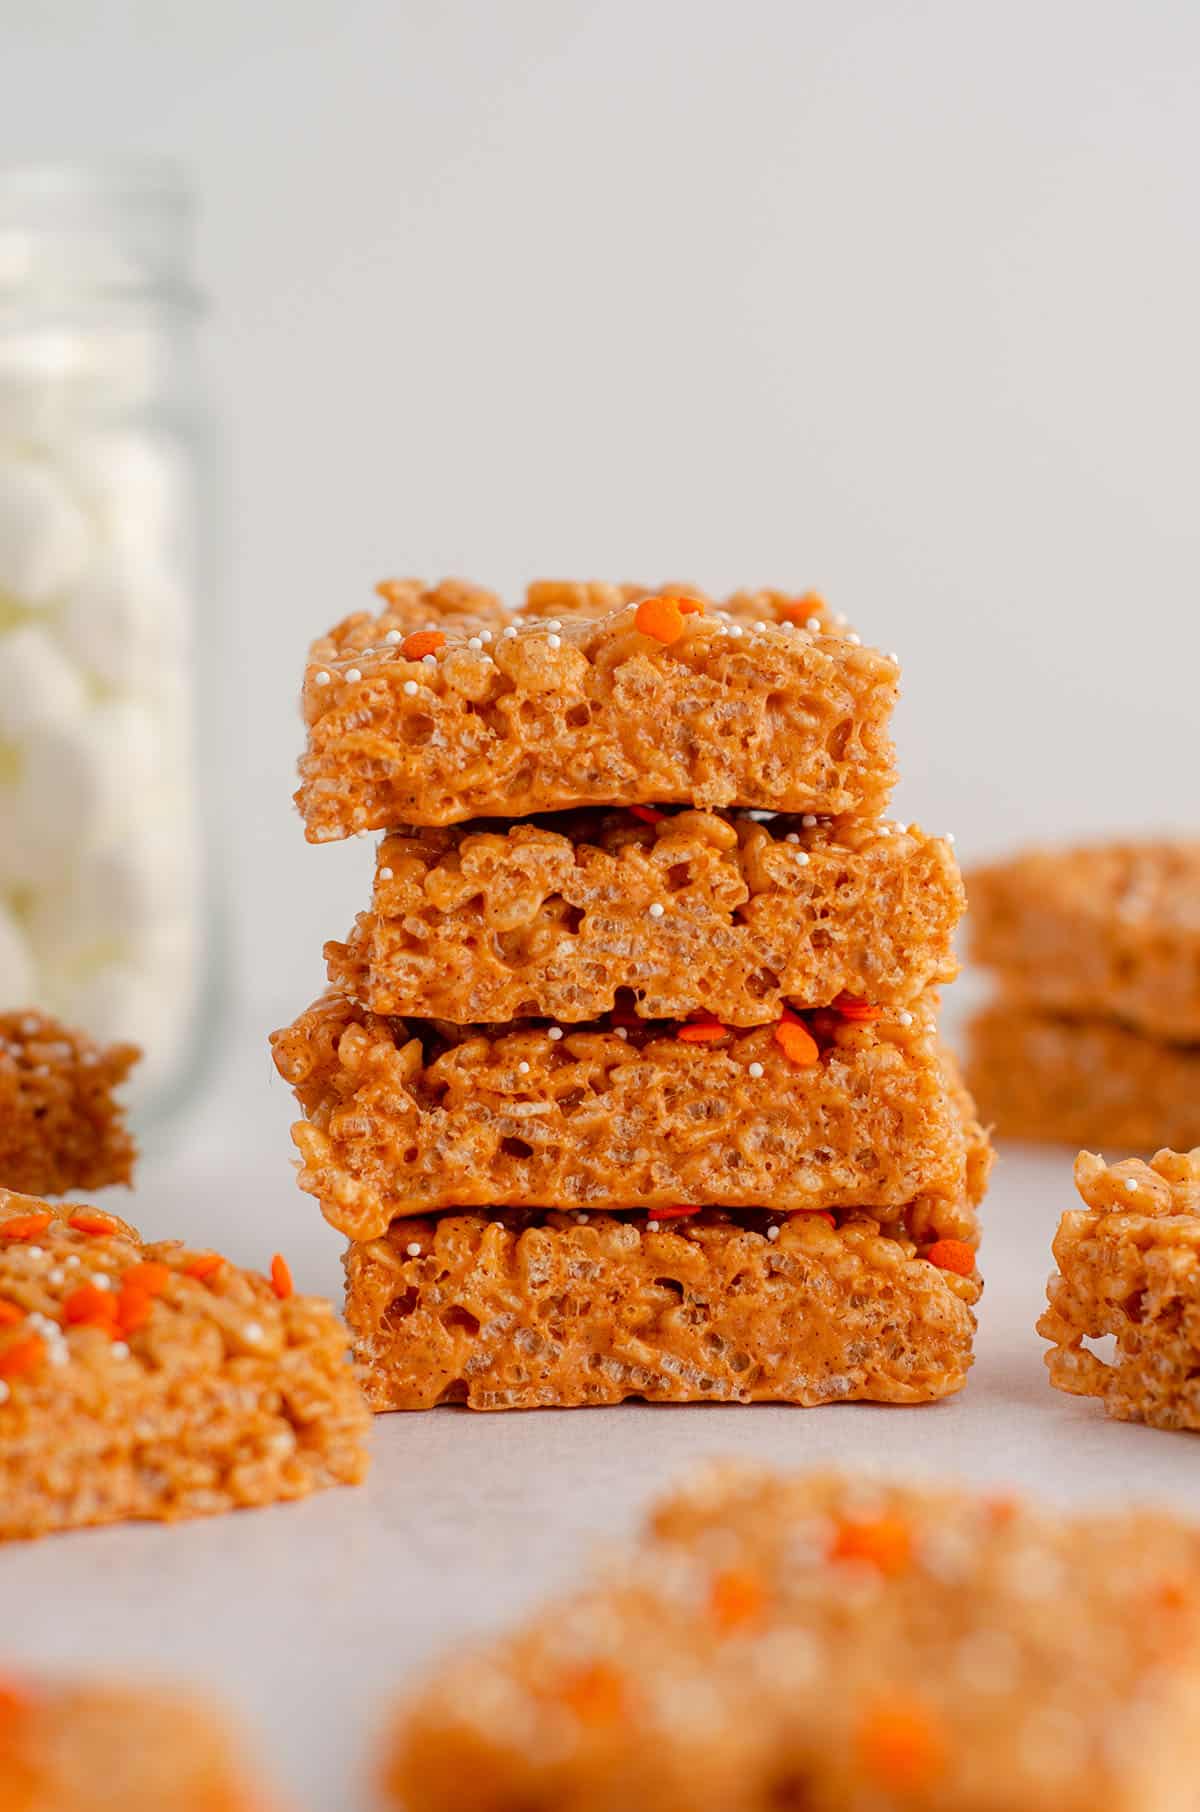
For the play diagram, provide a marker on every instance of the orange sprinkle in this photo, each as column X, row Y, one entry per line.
column 390, row 590
column 796, row 1042
column 671, row 1214
column 737, row 1600
column 90, row 1307
column 702, row 1031
column 10, row 1314
column 133, row 1308
column 15, row 1702
column 952, row 1255
column 820, row 1214
column 25, row 1226
column 1001, row 1508
column 149, row 1276
column 798, row 610
column 281, row 1277
column 203, row 1264
column 901, row 1747
column 660, row 617
column 92, row 1220
column 22, row 1356
column 595, row 1693
column 688, row 606
column 853, row 1007
column 424, row 641
column 649, row 814
column 883, row 1542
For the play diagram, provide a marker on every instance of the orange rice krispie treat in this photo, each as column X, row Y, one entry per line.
column 523, row 1309
column 158, row 1381
column 1129, row 1266
column 668, row 912
column 60, row 1126
column 84, row 1747
column 755, row 704
column 834, row 1109
column 1082, row 1081
column 1110, row 930
column 837, row 1645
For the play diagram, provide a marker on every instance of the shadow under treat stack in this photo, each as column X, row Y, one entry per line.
column 628, row 1082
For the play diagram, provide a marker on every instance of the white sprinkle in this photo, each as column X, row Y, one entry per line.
column 758, row 624
column 556, row 1033
column 788, row 627
column 119, row 1350
column 385, row 874
column 519, row 621
column 651, row 1226
column 508, row 633
column 905, row 1018
column 554, row 623
column 410, row 688
column 101, row 1281
column 522, row 1068
column 809, row 820
column 772, row 1232
column 840, row 618
column 855, row 641
column 813, row 624
column 353, row 675
column 657, row 909
column 485, row 635
column 755, row 1070
column 31, row 1026
column 734, row 629
column 474, row 641
column 554, row 641
column 894, row 658
column 42, row 1324
column 89, row 1059
column 429, row 660
column 792, row 837
column 949, row 837
column 393, row 636
column 252, row 1333
column 581, row 1219
column 621, row 1031
column 57, row 1276
column 413, row 1248
column 58, row 1352
column 803, row 858
column 322, row 678
column 429, row 626
column 885, row 830
column 72, row 1259
column 34, row 1251
column 1131, row 1183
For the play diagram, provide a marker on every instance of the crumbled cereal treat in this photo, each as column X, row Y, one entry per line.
column 1082, row 1081
column 1110, row 930
column 60, row 1126
column 511, row 1309
column 1129, row 1266
column 824, row 1110
column 158, row 1381
column 84, row 1747
column 668, row 699
column 670, row 912
column 841, row 1645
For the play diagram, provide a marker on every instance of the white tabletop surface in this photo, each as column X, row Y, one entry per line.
column 307, row 1618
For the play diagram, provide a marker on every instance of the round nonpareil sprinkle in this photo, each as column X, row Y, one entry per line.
column 554, row 641
column 353, row 675
column 555, row 1033
column 413, row 1249
column 322, row 678
column 657, row 909
column 755, row 1070
column 411, row 688
column 385, row 874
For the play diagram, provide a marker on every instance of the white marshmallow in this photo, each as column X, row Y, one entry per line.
column 44, row 536
column 154, row 1009
column 81, row 783
column 119, row 897
column 37, row 683
column 135, row 488
column 124, row 620
column 17, row 987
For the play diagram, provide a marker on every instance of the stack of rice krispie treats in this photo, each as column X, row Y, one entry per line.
column 1094, row 1036
column 628, row 1082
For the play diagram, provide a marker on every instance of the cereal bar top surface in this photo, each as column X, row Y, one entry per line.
column 666, row 912
column 841, row 1644
column 61, row 1127
column 83, row 1746
column 765, row 702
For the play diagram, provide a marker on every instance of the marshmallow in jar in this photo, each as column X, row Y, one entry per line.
column 103, row 916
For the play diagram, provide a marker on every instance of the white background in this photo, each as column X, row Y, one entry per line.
column 896, row 301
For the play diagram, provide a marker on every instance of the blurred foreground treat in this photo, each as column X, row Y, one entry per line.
column 629, row 1081
column 61, row 1127
column 838, row 1645
column 1129, row 1268
column 1094, row 1036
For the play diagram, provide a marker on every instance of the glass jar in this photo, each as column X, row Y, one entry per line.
column 106, row 591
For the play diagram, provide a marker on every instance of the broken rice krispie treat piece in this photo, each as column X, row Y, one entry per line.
column 158, row 1381
column 512, row 1309
column 1110, row 930
column 84, row 1747
column 674, row 913
column 763, row 703
column 1129, row 1266
column 1082, row 1081
column 60, row 1127
column 841, row 1645
column 843, row 1108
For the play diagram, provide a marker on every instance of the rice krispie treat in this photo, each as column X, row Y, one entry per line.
column 1082, row 1081
column 1108, row 930
column 837, row 1645
column 1129, row 1266
column 158, row 1381
column 484, row 713
column 513, row 1309
column 668, row 913
column 85, row 1747
column 835, row 1109
column 60, row 1126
